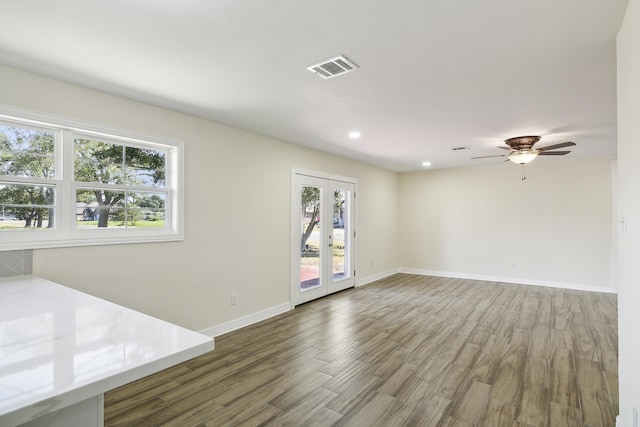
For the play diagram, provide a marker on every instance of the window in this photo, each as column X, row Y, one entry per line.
column 119, row 185
column 70, row 184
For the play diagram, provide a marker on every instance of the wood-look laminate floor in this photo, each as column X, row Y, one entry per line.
column 406, row 350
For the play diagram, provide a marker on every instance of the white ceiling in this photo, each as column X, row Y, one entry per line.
column 434, row 74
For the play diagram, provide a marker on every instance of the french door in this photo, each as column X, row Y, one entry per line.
column 323, row 237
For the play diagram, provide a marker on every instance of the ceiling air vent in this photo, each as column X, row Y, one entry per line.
column 333, row 67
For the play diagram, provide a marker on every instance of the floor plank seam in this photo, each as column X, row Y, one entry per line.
column 405, row 349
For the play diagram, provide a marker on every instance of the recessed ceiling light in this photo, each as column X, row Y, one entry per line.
column 354, row 135
column 426, row 164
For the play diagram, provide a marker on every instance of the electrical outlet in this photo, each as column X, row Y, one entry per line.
column 622, row 220
column 635, row 417
column 513, row 265
column 234, row 299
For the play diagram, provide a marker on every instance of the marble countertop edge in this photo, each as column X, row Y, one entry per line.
column 188, row 345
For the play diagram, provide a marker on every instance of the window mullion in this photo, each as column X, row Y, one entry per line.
column 125, row 181
column 66, row 203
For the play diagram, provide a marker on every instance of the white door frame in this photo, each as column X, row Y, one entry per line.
column 296, row 175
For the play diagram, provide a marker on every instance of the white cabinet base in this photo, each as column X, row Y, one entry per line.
column 89, row 413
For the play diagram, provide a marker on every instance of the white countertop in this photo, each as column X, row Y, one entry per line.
column 59, row 346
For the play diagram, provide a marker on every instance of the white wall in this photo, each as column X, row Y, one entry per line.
column 481, row 222
column 461, row 221
column 237, row 224
column 629, row 206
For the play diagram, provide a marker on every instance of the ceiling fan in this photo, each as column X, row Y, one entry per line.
column 521, row 149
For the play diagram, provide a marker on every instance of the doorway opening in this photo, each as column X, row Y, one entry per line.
column 323, row 235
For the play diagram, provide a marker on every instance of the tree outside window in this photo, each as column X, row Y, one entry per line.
column 64, row 185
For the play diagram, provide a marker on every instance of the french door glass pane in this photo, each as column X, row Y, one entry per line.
column 341, row 236
column 310, row 241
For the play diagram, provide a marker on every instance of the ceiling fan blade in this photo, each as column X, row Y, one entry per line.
column 554, row 146
column 505, row 148
column 553, row 153
column 486, row 157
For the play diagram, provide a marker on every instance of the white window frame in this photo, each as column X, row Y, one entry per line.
column 65, row 233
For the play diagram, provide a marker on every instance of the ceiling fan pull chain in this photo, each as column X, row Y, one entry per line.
column 524, row 175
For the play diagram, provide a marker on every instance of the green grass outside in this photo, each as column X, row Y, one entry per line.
column 19, row 225
column 120, row 224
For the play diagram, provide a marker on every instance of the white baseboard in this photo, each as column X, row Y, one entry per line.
column 370, row 279
column 247, row 320
column 250, row 319
column 518, row 281
column 259, row 316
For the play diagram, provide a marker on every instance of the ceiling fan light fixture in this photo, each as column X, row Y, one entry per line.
column 522, row 157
